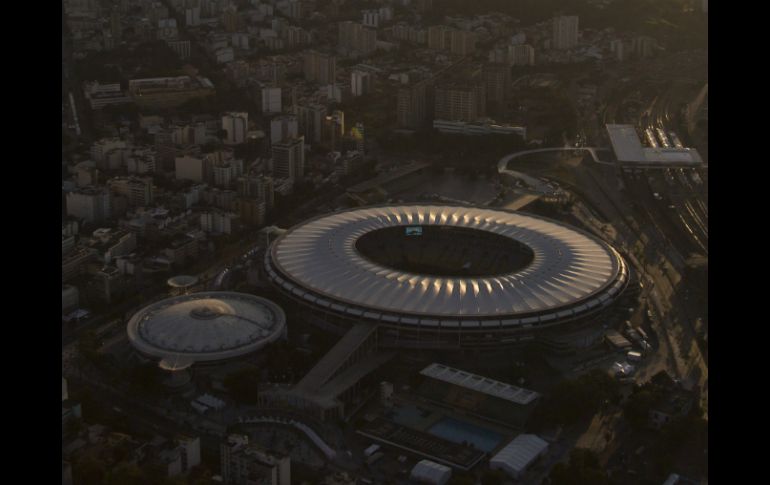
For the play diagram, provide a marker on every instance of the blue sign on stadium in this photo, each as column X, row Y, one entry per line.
column 414, row 231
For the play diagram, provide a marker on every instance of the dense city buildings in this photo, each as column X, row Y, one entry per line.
column 289, row 158
column 392, row 241
column 244, row 463
column 497, row 84
column 415, row 105
column 310, row 121
column 356, row 39
column 168, row 92
column 236, row 125
column 319, row 67
column 565, row 32
column 271, row 100
column 459, row 102
column 521, row 55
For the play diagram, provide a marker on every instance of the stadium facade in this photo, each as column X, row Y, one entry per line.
column 447, row 277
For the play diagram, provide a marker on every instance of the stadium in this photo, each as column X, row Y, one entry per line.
column 204, row 328
column 445, row 276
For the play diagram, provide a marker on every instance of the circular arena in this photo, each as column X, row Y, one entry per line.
column 205, row 327
column 435, row 275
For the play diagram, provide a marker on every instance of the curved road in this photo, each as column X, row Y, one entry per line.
column 503, row 163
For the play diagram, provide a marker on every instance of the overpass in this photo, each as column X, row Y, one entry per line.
column 333, row 381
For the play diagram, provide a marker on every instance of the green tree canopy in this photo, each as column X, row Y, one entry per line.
column 243, row 385
column 582, row 469
column 573, row 399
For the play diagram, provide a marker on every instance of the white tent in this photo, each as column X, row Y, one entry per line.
column 427, row 471
column 518, row 454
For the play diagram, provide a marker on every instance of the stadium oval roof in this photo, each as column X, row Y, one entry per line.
column 571, row 273
column 207, row 326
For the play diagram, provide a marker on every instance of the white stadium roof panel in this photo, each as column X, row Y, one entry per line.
column 570, row 268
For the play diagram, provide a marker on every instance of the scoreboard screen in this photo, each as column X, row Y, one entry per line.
column 414, row 231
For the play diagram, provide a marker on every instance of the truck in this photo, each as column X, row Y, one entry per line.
column 372, row 449
column 372, row 459
column 634, row 356
column 633, row 335
column 645, row 346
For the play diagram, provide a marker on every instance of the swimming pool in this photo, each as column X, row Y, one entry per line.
column 459, row 431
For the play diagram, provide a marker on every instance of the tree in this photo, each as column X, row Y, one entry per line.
column 573, row 399
column 88, row 470
column 125, row 474
column 145, row 378
column 462, row 479
column 74, row 426
column 583, row 469
column 637, row 409
column 493, row 477
column 88, row 346
column 243, row 385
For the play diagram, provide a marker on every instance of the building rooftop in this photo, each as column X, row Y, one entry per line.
column 571, row 272
column 519, row 453
column 480, row 384
column 207, row 326
column 628, row 148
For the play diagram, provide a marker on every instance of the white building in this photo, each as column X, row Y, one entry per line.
column 92, row 205
column 187, row 455
column 271, row 100
column 360, row 83
column 345, row 165
column 521, row 55
column 565, row 32
column 138, row 191
column 518, row 455
column 617, row 48
column 319, row 67
column 141, row 162
column 283, row 127
column 70, row 298
column 218, row 222
column 289, row 158
column 246, row 463
column 192, row 16
column 240, row 40
column 310, row 120
column 101, row 148
column 224, row 55
column 427, row 471
column 189, row 168
column 237, row 125
column 226, row 172
column 371, row 18
column 180, row 48
column 101, row 95
column 519, row 38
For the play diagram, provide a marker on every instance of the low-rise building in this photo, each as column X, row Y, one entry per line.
column 518, row 455
column 168, row 92
column 673, row 400
column 246, row 464
column 478, row 128
column 181, row 250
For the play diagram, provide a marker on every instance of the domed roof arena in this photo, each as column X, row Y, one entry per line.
column 205, row 327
